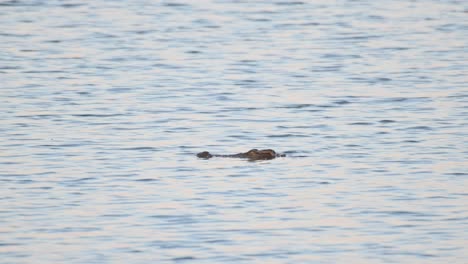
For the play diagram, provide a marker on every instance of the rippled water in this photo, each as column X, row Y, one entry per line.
column 104, row 105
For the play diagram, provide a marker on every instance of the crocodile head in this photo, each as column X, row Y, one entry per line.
column 264, row 154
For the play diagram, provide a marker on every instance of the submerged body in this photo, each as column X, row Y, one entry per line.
column 253, row 154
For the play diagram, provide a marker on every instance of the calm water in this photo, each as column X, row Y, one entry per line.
column 104, row 104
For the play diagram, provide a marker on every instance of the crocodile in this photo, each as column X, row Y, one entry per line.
column 253, row 154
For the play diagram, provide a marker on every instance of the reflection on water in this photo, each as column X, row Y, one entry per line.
column 104, row 105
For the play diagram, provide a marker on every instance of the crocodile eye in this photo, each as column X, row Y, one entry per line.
column 268, row 151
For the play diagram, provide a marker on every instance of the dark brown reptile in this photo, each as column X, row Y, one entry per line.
column 253, row 154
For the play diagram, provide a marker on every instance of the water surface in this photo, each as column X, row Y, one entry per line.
column 104, row 104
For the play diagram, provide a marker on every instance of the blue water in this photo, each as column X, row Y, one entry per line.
column 104, row 104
